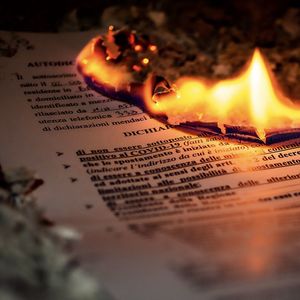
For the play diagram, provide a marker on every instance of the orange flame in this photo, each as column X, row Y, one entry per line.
column 94, row 64
column 252, row 99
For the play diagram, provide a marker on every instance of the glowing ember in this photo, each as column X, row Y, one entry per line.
column 145, row 61
column 138, row 48
column 153, row 48
column 252, row 99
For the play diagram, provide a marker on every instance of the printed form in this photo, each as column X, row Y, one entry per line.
column 163, row 214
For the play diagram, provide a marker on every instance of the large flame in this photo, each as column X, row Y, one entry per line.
column 252, row 99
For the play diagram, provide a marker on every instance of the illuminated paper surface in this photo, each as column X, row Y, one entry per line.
column 163, row 214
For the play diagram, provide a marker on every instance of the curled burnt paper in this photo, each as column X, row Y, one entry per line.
column 249, row 106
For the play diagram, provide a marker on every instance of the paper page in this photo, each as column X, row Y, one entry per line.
column 163, row 214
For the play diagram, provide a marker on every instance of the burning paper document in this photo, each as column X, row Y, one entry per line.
column 250, row 105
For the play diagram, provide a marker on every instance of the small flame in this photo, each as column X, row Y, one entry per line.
column 95, row 65
column 252, row 99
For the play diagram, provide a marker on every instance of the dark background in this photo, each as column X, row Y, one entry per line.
column 49, row 15
column 221, row 34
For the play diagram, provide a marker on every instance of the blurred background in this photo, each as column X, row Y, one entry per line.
column 207, row 38
column 34, row 15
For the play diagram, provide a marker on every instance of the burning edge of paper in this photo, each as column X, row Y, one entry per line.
column 249, row 106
